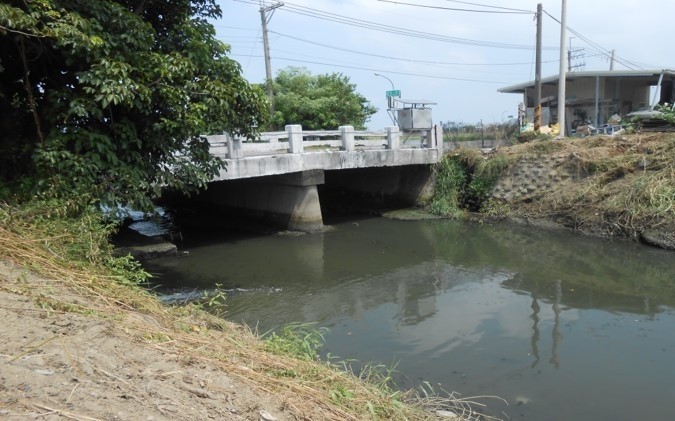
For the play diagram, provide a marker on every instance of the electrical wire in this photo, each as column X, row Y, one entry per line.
column 489, row 6
column 371, row 69
column 454, row 9
column 603, row 51
column 342, row 19
column 399, row 58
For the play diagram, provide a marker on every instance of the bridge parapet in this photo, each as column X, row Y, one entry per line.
column 296, row 150
column 295, row 140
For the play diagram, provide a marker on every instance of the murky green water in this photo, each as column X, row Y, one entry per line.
column 561, row 326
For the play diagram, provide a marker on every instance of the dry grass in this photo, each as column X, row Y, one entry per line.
column 625, row 184
column 306, row 389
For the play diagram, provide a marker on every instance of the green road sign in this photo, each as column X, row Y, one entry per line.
column 396, row 93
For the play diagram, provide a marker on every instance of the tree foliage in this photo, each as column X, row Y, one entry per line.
column 318, row 102
column 108, row 99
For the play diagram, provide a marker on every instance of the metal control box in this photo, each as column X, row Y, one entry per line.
column 414, row 118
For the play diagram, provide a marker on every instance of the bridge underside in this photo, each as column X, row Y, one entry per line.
column 295, row 201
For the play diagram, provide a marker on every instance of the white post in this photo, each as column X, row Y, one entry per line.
column 563, row 68
column 596, row 109
column 234, row 150
column 393, row 137
column 438, row 139
column 294, row 138
column 347, row 135
column 657, row 91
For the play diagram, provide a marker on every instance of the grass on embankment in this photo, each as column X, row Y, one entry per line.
column 625, row 184
column 71, row 250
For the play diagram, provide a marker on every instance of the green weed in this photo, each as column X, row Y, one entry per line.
column 299, row 340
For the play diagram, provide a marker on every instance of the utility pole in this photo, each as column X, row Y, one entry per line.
column 611, row 60
column 265, row 18
column 563, row 67
column 537, row 74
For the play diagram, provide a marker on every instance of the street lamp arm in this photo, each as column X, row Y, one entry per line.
column 392, row 83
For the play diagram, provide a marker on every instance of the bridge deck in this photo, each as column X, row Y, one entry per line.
column 295, row 151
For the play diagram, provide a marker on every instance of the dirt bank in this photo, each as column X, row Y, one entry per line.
column 58, row 364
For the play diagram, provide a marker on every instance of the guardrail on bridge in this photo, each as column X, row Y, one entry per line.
column 296, row 141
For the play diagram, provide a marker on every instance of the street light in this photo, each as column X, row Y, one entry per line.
column 392, row 83
column 390, row 100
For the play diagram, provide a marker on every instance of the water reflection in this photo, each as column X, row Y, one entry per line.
column 538, row 317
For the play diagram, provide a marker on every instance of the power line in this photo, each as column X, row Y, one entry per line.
column 398, row 58
column 489, row 6
column 454, row 9
column 346, row 20
column 371, row 69
column 603, row 51
column 335, row 61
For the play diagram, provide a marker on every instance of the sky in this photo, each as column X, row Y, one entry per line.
column 428, row 49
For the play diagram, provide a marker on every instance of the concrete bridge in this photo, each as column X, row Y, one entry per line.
column 277, row 176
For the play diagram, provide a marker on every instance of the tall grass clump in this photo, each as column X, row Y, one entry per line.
column 72, row 233
column 464, row 181
column 451, row 179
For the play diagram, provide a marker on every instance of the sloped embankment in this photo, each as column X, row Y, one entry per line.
column 620, row 186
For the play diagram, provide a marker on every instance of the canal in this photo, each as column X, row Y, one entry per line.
column 561, row 326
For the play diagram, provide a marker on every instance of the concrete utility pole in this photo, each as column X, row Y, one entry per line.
column 264, row 18
column 611, row 61
column 563, row 67
column 537, row 74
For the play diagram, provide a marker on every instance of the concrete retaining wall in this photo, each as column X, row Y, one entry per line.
column 532, row 175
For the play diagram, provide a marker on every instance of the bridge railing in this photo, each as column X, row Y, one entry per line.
column 295, row 140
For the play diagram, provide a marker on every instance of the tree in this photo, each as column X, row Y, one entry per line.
column 318, row 102
column 109, row 99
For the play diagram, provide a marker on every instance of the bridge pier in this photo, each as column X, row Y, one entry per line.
column 288, row 201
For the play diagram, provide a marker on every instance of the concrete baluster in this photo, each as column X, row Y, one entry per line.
column 234, row 150
column 393, row 137
column 437, row 133
column 347, row 135
column 295, row 138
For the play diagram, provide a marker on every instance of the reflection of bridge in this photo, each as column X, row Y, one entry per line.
column 279, row 174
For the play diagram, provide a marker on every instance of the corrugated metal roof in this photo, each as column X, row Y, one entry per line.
column 520, row 87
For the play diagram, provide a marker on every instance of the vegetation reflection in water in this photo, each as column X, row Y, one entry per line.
column 550, row 321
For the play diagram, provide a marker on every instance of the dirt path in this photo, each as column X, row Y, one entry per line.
column 62, row 365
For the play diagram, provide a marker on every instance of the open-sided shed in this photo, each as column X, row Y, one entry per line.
column 594, row 96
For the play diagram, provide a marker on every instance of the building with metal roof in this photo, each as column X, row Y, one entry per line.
column 593, row 97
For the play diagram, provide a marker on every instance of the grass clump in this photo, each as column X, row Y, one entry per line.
column 67, row 242
column 299, row 340
column 451, row 179
column 464, row 181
